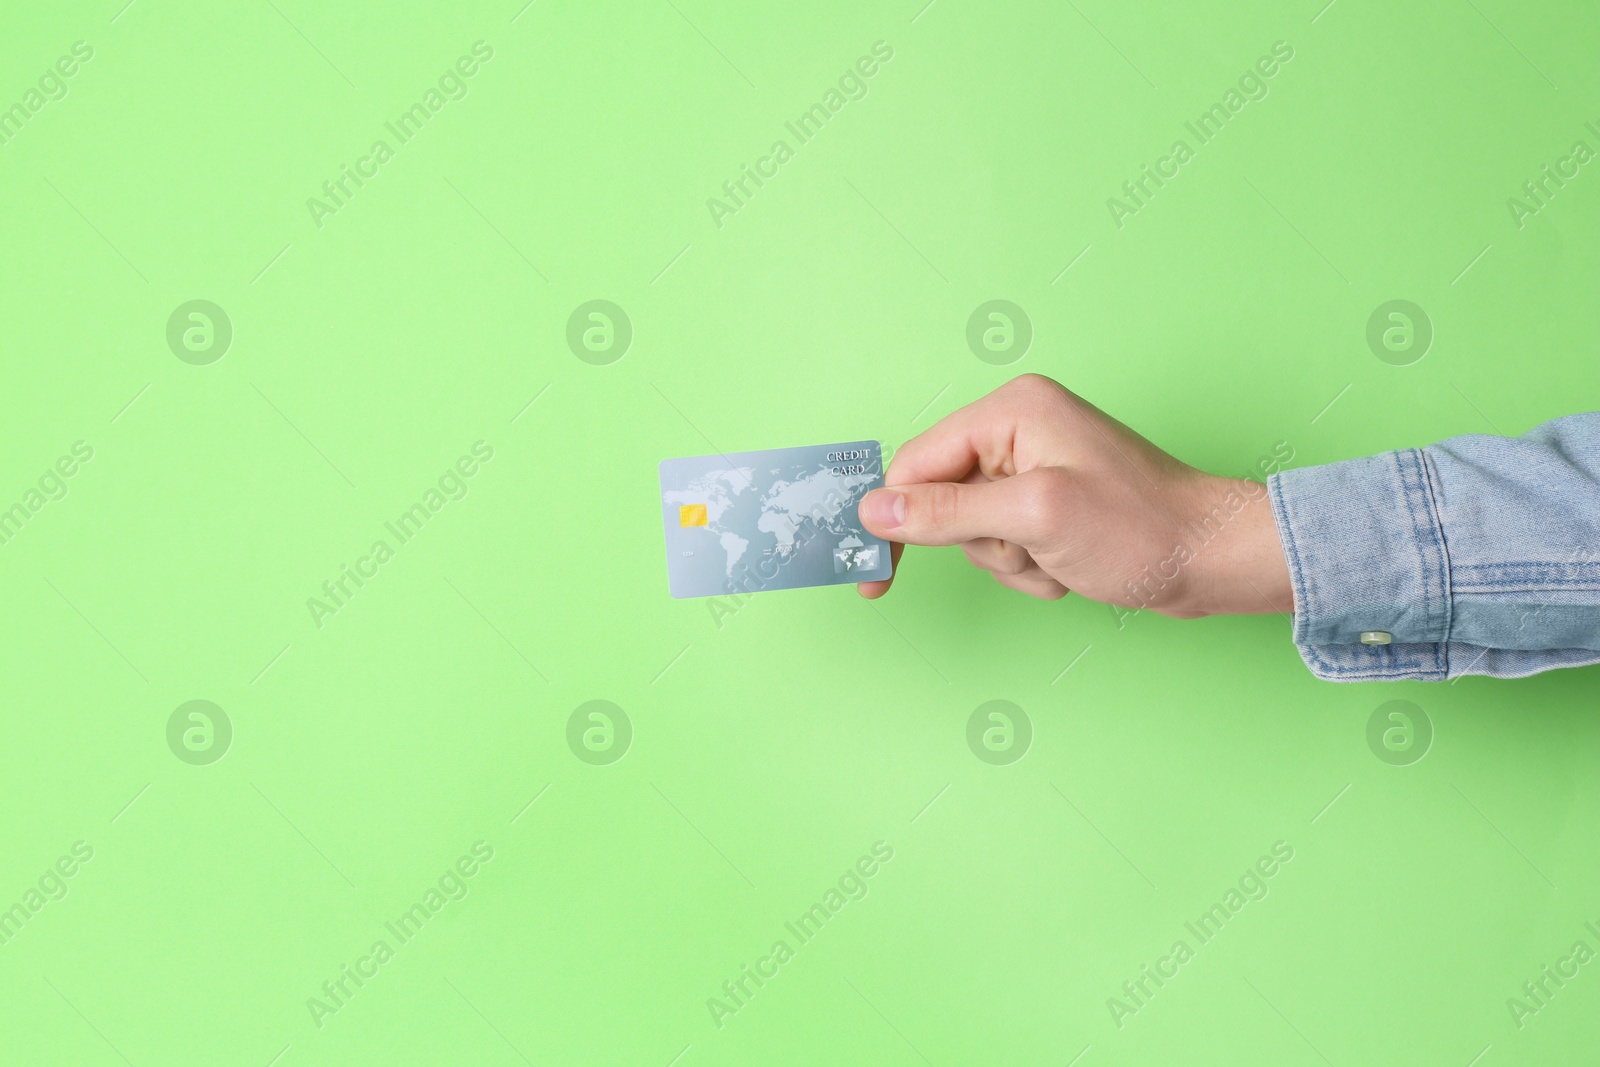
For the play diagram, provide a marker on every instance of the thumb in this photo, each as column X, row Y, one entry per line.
column 1019, row 509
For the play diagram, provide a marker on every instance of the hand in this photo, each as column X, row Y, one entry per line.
column 1050, row 494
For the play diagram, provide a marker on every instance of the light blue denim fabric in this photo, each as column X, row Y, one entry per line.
column 1479, row 555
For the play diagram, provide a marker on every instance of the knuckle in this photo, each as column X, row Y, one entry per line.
column 1033, row 384
column 1046, row 500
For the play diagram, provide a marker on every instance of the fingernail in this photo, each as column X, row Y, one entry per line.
column 883, row 508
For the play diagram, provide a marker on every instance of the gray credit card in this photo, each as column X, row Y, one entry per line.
column 782, row 518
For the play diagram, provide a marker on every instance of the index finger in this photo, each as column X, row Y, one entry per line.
column 980, row 437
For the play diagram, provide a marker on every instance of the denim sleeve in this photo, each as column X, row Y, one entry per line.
column 1477, row 555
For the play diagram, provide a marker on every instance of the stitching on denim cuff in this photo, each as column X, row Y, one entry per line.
column 1408, row 466
column 1548, row 659
column 1389, row 668
column 1525, row 575
column 1430, row 486
column 1278, row 497
column 1404, row 471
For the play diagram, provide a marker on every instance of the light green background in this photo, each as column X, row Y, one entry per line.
column 771, row 752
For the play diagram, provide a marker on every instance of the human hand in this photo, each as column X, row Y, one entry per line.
column 1052, row 495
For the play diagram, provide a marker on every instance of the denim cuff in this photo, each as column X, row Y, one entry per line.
column 1366, row 552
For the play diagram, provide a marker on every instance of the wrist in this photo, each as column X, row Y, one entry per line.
column 1239, row 562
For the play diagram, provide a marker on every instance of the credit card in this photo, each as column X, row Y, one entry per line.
column 783, row 518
